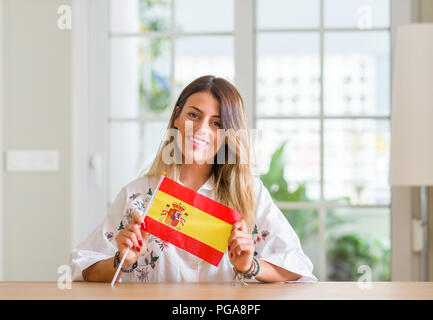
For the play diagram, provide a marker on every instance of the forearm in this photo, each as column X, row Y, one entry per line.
column 101, row 271
column 272, row 273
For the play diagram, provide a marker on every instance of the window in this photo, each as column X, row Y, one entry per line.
column 157, row 48
column 332, row 148
column 322, row 107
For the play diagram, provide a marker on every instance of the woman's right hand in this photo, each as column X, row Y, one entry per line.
column 133, row 237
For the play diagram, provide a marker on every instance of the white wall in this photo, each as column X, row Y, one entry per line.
column 406, row 264
column 426, row 14
column 36, row 113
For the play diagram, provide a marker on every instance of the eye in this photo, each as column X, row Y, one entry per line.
column 217, row 124
column 192, row 115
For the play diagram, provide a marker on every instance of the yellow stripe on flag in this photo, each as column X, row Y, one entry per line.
column 198, row 224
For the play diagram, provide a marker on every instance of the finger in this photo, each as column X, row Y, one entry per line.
column 237, row 231
column 123, row 245
column 243, row 248
column 247, row 248
column 237, row 225
column 145, row 235
column 239, row 241
column 240, row 245
column 145, row 239
column 131, row 236
column 124, row 242
column 137, row 218
column 243, row 226
column 136, row 230
column 143, row 230
column 230, row 241
column 237, row 236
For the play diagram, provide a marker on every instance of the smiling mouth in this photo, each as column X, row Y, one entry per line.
column 197, row 142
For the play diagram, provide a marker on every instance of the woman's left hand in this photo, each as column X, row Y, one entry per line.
column 241, row 246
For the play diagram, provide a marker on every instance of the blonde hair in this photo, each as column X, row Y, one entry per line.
column 234, row 182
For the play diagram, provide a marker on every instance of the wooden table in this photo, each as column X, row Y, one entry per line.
column 218, row 291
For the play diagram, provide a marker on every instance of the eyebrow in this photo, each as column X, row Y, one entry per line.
column 216, row 116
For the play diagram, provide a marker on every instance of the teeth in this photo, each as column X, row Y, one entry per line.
column 199, row 142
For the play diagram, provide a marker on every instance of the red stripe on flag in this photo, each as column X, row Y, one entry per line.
column 199, row 201
column 183, row 241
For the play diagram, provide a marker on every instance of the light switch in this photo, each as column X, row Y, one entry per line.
column 32, row 160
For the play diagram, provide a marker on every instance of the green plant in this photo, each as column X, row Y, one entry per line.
column 148, row 19
column 348, row 251
column 157, row 96
column 277, row 185
column 274, row 180
column 305, row 222
column 154, row 91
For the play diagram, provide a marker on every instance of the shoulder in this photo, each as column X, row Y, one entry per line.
column 137, row 189
column 265, row 207
column 132, row 196
column 140, row 186
column 261, row 193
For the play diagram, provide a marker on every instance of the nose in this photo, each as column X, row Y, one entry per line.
column 202, row 127
column 202, row 124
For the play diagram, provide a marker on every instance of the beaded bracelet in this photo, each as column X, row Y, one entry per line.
column 251, row 273
column 117, row 261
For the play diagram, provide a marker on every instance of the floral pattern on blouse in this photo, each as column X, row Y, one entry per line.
column 258, row 237
column 148, row 262
column 137, row 205
column 274, row 239
column 109, row 235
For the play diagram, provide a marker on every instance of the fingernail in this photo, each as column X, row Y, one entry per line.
column 231, row 255
column 142, row 226
column 138, row 248
column 229, row 247
column 140, row 243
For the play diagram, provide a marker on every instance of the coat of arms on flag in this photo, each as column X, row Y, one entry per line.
column 174, row 215
column 190, row 220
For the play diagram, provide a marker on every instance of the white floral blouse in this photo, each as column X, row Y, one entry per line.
column 275, row 241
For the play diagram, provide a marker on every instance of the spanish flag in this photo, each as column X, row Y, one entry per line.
column 190, row 220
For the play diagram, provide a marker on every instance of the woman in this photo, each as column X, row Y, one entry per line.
column 262, row 244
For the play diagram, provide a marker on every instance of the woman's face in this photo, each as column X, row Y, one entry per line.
column 198, row 125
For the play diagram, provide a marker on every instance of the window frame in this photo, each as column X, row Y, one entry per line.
column 321, row 206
